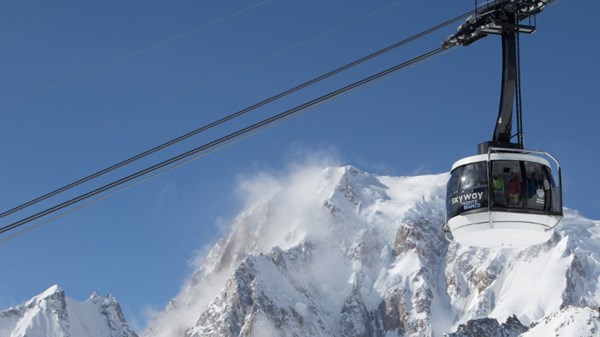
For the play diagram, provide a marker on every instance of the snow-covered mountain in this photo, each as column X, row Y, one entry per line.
column 52, row 314
column 340, row 252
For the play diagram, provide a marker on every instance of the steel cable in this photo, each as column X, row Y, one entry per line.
column 223, row 140
column 232, row 116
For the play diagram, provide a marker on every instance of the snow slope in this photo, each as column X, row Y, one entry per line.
column 340, row 252
column 52, row 314
column 569, row 321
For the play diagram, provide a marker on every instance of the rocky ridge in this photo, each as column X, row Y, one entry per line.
column 365, row 255
column 52, row 314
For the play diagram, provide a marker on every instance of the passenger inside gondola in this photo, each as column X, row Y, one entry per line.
column 514, row 189
column 498, row 188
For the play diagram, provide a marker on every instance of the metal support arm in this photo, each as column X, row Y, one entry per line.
column 502, row 17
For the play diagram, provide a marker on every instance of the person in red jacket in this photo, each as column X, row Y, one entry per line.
column 514, row 189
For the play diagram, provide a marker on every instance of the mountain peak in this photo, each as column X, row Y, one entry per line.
column 341, row 252
column 332, row 250
column 51, row 291
column 53, row 314
column 54, row 297
column 95, row 297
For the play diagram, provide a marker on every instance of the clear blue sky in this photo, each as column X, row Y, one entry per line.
column 87, row 84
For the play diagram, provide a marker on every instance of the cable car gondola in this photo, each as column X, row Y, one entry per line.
column 505, row 196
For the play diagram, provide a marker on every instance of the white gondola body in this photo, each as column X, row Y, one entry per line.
column 477, row 217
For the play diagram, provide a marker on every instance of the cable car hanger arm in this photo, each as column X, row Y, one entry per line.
column 502, row 17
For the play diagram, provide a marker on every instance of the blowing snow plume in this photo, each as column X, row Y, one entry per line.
column 339, row 252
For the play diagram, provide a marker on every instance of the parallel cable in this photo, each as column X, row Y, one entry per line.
column 232, row 116
column 222, row 76
column 223, row 140
column 115, row 192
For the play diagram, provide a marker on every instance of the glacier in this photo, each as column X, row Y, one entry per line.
column 337, row 251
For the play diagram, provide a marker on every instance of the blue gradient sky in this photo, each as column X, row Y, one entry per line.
column 87, row 84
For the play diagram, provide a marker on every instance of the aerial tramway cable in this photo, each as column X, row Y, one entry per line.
column 232, row 116
column 114, row 192
column 207, row 81
column 220, row 142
